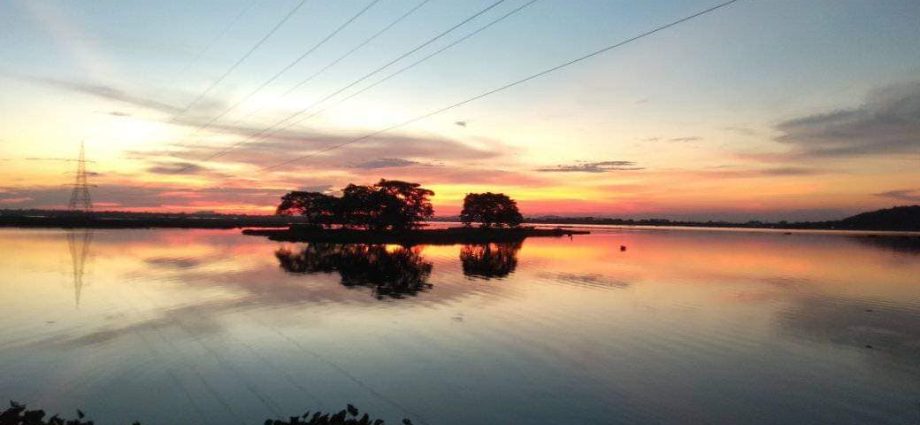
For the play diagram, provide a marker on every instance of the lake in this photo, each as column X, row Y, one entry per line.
column 679, row 326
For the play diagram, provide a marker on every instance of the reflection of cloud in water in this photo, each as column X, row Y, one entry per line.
column 173, row 262
column 884, row 333
column 389, row 273
column 195, row 320
column 586, row 279
column 263, row 286
column 768, row 289
column 785, row 282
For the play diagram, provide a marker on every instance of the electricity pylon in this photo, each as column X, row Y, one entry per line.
column 79, row 198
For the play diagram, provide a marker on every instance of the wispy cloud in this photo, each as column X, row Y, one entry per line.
column 48, row 158
column 685, row 139
column 785, row 171
column 463, row 175
column 384, row 150
column 744, row 131
column 8, row 201
column 682, row 139
column 592, row 167
column 128, row 196
column 908, row 195
column 789, row 171
column 125, row 95
column 323, row 188
column 384, row 163
column 176, row 168
column 106, row 92
column 888, row 122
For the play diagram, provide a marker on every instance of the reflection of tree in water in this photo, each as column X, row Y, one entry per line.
column 492, row 260
column 904, row 244
column 390, row 272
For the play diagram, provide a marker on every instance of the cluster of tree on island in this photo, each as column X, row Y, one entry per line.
column 393, row 205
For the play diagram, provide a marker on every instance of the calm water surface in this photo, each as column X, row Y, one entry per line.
column 183, row 326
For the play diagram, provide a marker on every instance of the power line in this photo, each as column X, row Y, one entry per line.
column 241, row 60
column 352, row 84
column 365, row 42
column 413, row 64
column 506, row 86
column 219, row 36
column 341, row 58
column 288, row 67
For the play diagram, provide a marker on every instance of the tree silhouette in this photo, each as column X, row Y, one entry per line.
column 359, row 206
column 386, row 205
column 490, row 209
column 412, row 206
column 318, row 208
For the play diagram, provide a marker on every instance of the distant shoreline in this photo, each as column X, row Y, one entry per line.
column 898, row 220
column 448, row 236
column 768, row 227
column 741, row 229
column 103, row 221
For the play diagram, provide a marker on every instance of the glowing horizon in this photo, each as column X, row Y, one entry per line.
column 715, row 119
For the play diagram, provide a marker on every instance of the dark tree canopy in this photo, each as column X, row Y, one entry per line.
column 317, row 207
column 359, row 206
column 386, row 205
column 405, row 204
column 490, row 209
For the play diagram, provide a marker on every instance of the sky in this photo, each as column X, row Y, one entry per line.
column 764, row 109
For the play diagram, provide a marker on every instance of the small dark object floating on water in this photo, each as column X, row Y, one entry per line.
column 622, row 248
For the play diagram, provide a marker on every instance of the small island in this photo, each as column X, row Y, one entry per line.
column 393, row 212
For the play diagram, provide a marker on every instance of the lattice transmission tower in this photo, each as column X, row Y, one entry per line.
column 79, row 198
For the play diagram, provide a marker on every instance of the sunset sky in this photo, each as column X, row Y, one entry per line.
column 765, row 109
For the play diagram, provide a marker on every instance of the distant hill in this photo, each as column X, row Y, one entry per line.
column 897, row 218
